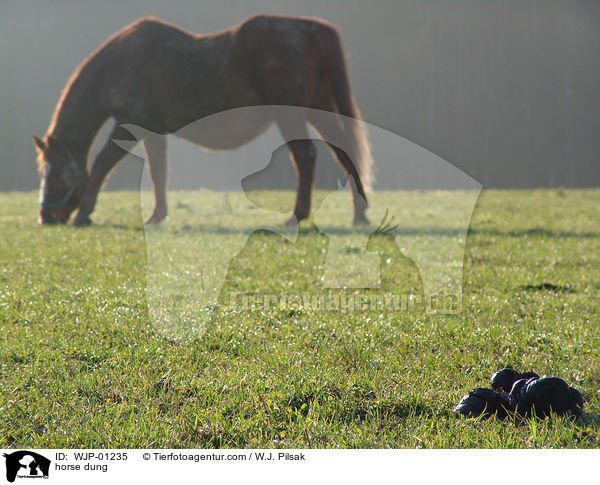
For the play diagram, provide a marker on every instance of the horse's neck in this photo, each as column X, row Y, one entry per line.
column 78, row 116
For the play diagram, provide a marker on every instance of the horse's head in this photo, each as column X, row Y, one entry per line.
column 62, row 181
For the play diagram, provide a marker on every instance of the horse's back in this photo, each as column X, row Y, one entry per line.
column 161, row 75
column 282, row 58
column 265, row 34
column 280, row 23
column 150, row 29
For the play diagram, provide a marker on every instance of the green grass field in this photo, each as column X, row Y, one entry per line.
column 83, row 363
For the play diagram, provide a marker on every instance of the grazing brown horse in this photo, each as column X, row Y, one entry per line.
column 162, row 78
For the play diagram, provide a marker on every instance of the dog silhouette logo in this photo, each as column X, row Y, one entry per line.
column 26, row 464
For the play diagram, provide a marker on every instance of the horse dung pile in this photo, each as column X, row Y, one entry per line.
column 525, row 395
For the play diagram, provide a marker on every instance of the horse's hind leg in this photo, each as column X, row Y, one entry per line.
column 156, row 158
column 107, row 158
column 359, row 197
column 304, row 155
column 331, row 130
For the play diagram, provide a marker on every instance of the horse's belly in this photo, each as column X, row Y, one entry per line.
column 226, row 130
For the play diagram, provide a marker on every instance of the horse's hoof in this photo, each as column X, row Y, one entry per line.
column 154, row 219
column 292, row 221
column 361, row 221
column 82, row 221
column 159, row 214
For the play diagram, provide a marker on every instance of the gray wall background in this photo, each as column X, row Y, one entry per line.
column 506, row 90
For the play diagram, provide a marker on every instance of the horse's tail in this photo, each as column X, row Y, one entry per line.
column 346, row 105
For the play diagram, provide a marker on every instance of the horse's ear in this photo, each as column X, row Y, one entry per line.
column 52, row 143
column 39, row 143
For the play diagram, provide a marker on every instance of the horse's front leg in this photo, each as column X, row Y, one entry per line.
column 108, row 157
column 304, row 155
